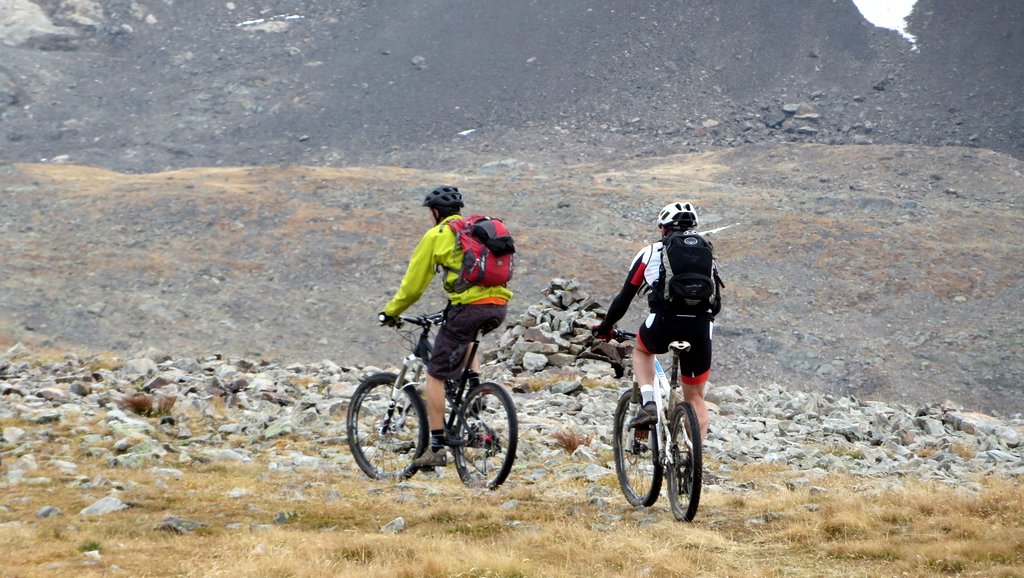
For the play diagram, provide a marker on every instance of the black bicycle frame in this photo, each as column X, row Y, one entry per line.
column 455, row 396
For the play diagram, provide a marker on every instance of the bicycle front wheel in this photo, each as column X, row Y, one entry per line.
column 684, row 475
column 486, row 436
column 636, row 457
column 386, row 429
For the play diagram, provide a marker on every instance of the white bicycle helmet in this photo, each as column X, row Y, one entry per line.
column 678, row 216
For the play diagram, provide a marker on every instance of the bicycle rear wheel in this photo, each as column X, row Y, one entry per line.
column 487, row 433
column 385, row 434
column 636, row 457
column 684, row 476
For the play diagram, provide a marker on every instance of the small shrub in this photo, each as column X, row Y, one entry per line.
column 89, row 546
column 165, row 403
column 962, row 450
column 599, row 383
column 571, row 440
column 146, row 405
column 538, row 383
column 845, row 525
column 138, row 403
column 102, row 362
column 953, row 566
column 736, row 501
column 360, row 554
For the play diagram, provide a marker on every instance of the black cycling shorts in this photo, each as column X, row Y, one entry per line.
column 461, row 326
column 660, row 329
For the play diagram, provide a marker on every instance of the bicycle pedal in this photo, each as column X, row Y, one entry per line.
column 457, row 442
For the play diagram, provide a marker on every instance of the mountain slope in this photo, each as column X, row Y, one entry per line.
column 883, row 272
column 168, row 85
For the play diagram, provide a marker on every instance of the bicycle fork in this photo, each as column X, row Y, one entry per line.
column 634, row 406
column 390, row 423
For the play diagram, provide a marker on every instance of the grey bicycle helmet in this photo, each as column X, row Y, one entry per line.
column 678, row 216
column 444, row 197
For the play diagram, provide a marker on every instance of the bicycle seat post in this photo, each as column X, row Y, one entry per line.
column 468, row 373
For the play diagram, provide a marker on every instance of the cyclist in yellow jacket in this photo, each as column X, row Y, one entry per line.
column 475, row 310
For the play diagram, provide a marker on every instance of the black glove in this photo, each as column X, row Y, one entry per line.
column 601, row 332
column 388, row 320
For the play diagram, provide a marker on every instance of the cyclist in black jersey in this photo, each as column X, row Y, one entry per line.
column 662, row 327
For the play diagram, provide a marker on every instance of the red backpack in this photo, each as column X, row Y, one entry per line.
column 488, row 252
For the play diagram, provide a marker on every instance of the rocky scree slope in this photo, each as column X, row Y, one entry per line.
column 166, row 414
column 162, row 85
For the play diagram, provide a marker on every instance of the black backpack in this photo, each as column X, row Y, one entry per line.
column 687, row 282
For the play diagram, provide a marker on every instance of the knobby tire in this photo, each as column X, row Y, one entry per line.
column 384, row 446
column 639, row 470
column 684, row 477
column 488, row 432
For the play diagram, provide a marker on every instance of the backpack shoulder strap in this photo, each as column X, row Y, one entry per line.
column 666, row 272
column 458, row 227
column 458, row 224
column 707, row 242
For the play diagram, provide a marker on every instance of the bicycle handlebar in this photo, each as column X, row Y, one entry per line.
column 425, row 320
column 620, row 335
column 677, row 346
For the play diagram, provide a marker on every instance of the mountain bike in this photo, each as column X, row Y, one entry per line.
column 670, row 448
column 387, row 417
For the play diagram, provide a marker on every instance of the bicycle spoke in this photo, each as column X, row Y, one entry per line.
column 684, row 476
column 636, row 464
column 488, row 434
column 384, row 439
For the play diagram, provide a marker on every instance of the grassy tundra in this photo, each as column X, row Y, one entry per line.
column 257, row 520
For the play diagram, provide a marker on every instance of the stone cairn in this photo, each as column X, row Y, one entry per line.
column 556, row 334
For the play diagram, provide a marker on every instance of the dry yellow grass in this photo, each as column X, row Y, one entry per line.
column 310, row 523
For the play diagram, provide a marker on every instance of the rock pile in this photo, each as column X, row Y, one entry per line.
column 556, row 334
column 820, row 433
column 165, row 414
